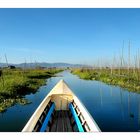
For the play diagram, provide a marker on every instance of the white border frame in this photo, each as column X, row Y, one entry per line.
column 69, row 3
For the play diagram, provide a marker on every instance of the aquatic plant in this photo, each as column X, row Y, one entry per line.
column 18, row 82
column 130, row 82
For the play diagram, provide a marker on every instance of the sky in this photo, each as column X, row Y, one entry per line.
column 81, row 36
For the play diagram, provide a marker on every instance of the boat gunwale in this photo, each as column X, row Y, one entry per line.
column 87, row 116
column 34, row 118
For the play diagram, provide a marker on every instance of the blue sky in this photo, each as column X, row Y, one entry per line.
column 67, row 35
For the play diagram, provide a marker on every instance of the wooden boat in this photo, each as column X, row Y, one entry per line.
column 61, row 111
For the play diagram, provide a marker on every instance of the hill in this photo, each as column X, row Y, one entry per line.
column 44, row 64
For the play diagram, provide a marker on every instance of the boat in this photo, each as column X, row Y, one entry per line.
column 61, row 111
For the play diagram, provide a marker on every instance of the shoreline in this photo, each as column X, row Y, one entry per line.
column 18, row 83
column 124, row 81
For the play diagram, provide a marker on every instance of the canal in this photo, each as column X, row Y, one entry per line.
column 113, row 108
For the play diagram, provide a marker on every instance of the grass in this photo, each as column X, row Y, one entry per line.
column 15, row 83
column 129, row 81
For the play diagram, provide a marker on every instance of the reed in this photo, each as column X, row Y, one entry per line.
column 125, row 80
column 121, row 71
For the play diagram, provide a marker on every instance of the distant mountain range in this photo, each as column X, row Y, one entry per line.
column 44, row 64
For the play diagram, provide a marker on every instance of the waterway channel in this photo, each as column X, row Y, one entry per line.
column 113, row 108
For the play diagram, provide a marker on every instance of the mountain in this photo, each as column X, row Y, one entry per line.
column 44, row 64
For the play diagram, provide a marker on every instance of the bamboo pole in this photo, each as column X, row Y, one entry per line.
column 129, row 59
column 1, row 76
column 6, row 60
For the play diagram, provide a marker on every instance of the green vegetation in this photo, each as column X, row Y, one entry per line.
column 15, row 83
column 122, row 70
column 120, row 77
column 6, row 103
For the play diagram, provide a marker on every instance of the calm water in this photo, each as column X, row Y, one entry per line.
column 113, row 108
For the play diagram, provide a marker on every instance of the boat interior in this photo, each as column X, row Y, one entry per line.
column 60, row 111
column 65, row 118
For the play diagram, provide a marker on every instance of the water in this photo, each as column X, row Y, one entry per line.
column 113, row 108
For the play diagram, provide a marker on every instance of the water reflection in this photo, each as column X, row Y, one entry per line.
column 113, row 108
column 139, row 112
column 122, row 105
column 100, row 91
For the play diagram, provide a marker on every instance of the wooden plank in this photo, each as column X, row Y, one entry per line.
column 53, row 126
column 69, row 127
column 61, row 122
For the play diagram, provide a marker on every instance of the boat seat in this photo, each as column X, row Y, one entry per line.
column 47, row 119
column 75, row 117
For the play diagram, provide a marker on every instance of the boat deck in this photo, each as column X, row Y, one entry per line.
column 61, row 122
